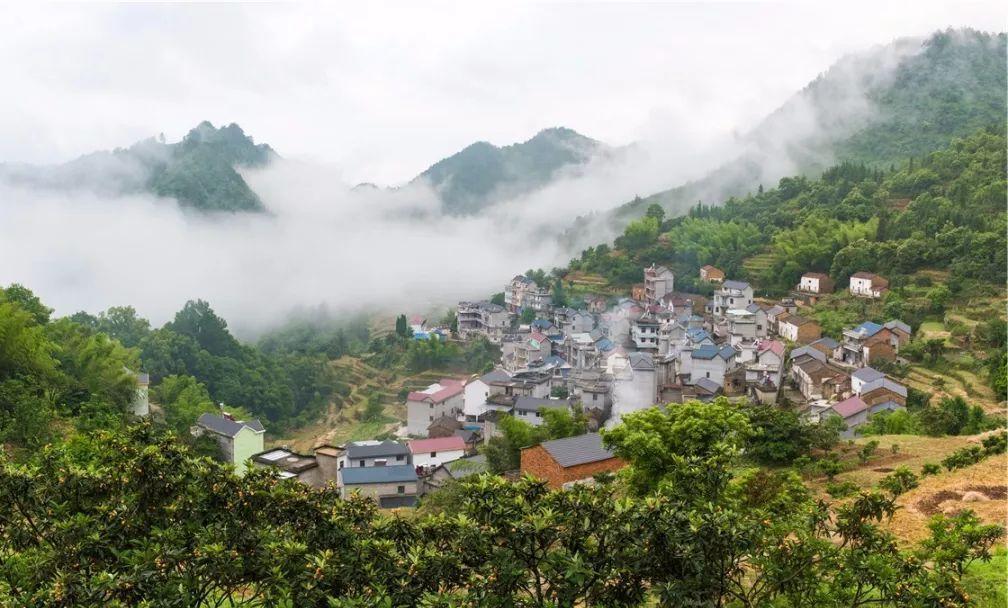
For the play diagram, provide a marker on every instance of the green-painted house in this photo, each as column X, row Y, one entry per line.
column 239, row 439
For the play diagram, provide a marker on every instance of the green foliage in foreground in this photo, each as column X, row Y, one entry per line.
column 127, row 520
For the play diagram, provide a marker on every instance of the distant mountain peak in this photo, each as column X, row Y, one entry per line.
column 198, row 171
column 482, row 174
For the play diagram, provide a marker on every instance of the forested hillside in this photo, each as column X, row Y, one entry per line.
column 906, row 99
column 198, row 171
column 483, row 174
column 945, row 210
column 77, row 373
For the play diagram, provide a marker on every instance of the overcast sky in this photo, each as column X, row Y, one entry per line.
column 380, row 91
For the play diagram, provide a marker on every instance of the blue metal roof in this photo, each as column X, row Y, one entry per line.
column 393, row 474
column 697, row 334
column 709, row 351
column 868, row 328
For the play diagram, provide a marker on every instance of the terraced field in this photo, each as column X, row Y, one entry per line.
column 342, row 420
column 757, row 265
column 586, row 282
column 980, row 487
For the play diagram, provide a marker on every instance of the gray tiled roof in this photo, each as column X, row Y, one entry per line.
column 464, row 467
column 708, row 385
column 497, row 375
column 868, row 374
column 393, row 474
column 641, row 361
column 534, row 404
column 740, row 285
column 228, row 428
column 885, row 383
column 581, row 449
column 385, row 448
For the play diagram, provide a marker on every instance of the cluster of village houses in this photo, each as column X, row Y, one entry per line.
column 610, row 358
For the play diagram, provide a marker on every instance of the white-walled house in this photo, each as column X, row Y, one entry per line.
column 658, row 281
column 477, row 391
column 373, row 453
column 815, row 282
column 863, row 376
column 732, row 295
column 444, row 398
column 529, row 409
column 868, row 285
column 438, row 451
column 712, row 362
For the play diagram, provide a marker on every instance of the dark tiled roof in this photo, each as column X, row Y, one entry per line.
column 385, row 448
column 641, row 361
column 228, row 428
column 534, row 404
column 581, row 449
column 393, row 474
column 464, row 467
column 740, row 285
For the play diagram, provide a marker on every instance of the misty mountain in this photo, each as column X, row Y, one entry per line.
column 483, row 174
column 198, row 171
column 904, row 99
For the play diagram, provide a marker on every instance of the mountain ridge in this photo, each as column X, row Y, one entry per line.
column 916, row 109
column 483, row 174
column 199, row 171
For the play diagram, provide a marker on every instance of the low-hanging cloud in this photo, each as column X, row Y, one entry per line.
column 322, row 243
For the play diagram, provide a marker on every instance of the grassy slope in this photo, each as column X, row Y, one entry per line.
column 342, row 420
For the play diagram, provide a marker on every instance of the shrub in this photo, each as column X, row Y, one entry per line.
column 841, row 489
column 899, row 481
column 930, row 468
column 866, row 451
column 963, row 457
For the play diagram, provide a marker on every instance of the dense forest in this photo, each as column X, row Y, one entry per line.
column 81, row 370
column 944, row 87
column 943, row 211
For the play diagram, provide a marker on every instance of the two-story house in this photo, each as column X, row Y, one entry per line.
column 482, row 319
column 868, row 285
column 444, row 398
column 712, row 362
column 658, row 281
column 798, row 329
column 239, row 440
column 731, row 295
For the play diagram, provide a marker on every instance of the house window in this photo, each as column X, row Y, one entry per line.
column 708, row 374
column 341, row 464
column 430, row 418
column 362, row 463
column 433, row 454
column 380, row 463
column 401, row 489
column 431, row 406
column 399, row 458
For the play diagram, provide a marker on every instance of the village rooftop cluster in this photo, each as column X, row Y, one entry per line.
column 613, row 356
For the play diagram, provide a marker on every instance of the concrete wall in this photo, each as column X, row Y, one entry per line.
column 474, row 397
column 375, row 490
column 426, row 459
column 419, row 414
column 244, row 445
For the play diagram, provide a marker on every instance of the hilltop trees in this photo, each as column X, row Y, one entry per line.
column 945, row 213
